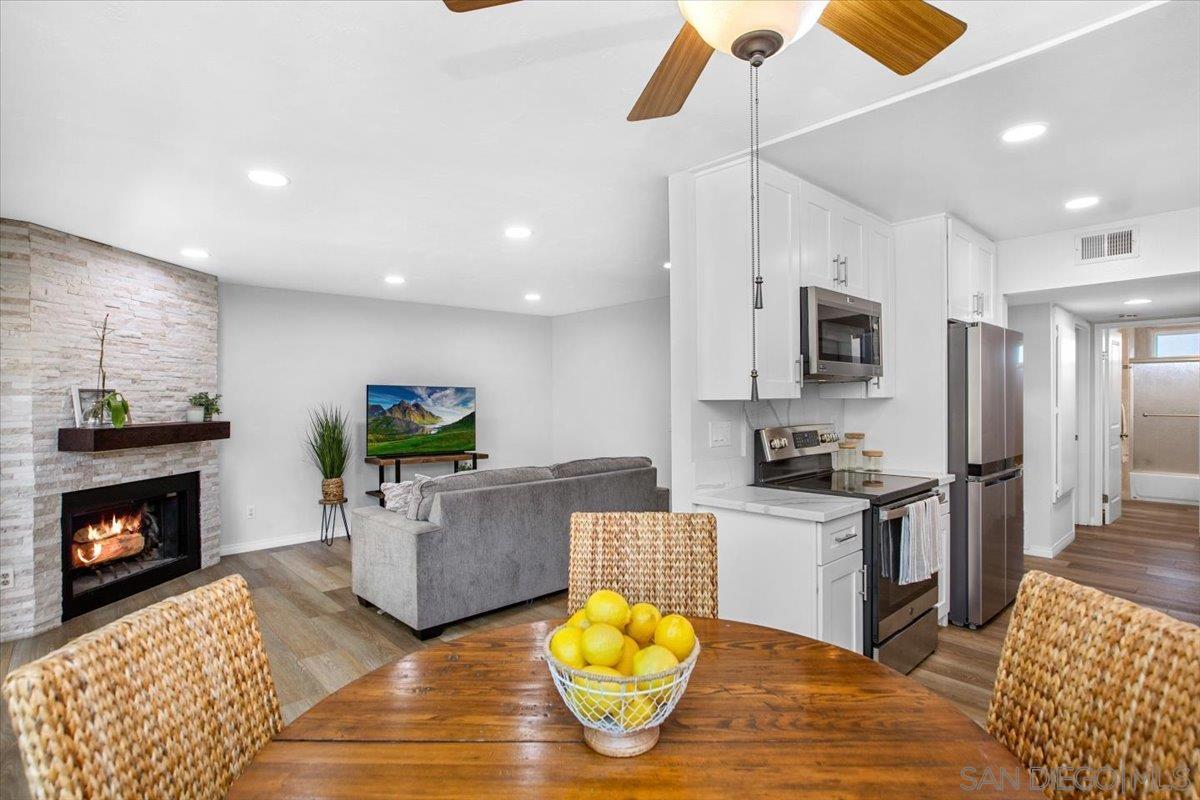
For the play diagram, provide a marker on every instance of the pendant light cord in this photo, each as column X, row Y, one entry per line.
column 755, row 234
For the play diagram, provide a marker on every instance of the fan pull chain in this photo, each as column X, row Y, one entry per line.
column 755, row 234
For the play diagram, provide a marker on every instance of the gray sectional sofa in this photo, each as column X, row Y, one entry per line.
column 484, row 540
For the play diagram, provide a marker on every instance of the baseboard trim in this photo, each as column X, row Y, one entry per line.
column 267, row 544
column 1053, row 550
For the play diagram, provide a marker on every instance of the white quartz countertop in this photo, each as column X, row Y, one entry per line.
column 781, row 503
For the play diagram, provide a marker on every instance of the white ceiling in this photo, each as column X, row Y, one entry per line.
column 1171, row 296
column 412, row 135
column 1123, row 108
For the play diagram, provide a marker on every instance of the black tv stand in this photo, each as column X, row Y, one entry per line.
column 458, row 459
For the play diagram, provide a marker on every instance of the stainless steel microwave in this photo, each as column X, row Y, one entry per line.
column 840, row 336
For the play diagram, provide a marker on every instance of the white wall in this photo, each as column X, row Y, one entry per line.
column 283, row 352
column 911, row 428
column 611, row 378
column 1169, row 244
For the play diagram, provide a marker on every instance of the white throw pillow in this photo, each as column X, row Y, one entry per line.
column 396, row 495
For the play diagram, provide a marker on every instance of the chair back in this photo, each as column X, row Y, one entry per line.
column 168, row 702
column 657, row 557
column 1087, row 680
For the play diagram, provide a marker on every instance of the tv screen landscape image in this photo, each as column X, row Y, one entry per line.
column 404, row 420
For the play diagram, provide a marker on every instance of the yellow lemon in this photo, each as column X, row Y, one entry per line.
column 595, row 699
column 566, row 646
column 608, row 607
column 637, row 711
column 676, row 634
column 650, row 660
column 628, row 651
column 643, row 619
column 579, row 620
column 602, row 644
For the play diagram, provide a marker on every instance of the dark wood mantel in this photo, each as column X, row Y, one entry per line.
column 147, row 434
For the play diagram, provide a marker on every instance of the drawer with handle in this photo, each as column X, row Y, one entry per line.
column 839, row 537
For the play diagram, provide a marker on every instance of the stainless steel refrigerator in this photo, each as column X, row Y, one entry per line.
column 987, row 520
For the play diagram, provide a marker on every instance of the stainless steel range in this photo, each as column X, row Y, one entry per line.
column 899, row 621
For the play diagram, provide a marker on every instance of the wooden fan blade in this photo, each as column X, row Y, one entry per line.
column 474, row 5
column 900, row 34
column 674, row 78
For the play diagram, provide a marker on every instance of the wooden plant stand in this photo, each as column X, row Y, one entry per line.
column 383, row 462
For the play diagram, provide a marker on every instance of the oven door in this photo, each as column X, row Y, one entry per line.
column 840, row 339
column 894, row 605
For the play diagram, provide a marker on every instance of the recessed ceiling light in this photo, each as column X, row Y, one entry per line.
column 666, row 265
column 1126, row 316
column 194, row 252
column 1023, row 132
column 533, row 297
column 1080, row 202
column 1137, row 301
column 394, row 279
column 266, row 177
column 517, row 232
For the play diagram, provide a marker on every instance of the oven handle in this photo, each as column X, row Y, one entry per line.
column 896, row 512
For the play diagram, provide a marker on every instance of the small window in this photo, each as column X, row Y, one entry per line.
column 1172, row 345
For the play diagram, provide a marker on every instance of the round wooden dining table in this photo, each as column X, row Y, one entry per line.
column 767, row 713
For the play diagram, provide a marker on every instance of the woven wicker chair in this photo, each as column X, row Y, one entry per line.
column 169, row 702
column 666, row 559
column 1089, row 680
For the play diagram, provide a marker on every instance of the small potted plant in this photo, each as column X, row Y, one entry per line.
column 329, row 447
column 118, row 408
column 203, row 407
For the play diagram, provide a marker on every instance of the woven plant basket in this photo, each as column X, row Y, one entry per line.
column 333, row 489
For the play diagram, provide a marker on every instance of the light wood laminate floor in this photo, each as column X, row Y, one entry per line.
column 318, row 638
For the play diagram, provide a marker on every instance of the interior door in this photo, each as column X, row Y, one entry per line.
column 1114, row 427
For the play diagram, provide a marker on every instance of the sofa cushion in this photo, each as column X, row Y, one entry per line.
column 594, row 466
column 414, row 495
column 396, row 495
column 424, row 491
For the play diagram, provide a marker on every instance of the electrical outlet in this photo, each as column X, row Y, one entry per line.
column 249, row 512
column 720, row 434
column 6, row 578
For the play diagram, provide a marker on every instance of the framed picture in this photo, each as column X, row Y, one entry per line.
column 86, row 404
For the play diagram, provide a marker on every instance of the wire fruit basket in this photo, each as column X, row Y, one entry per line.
column 620, row 715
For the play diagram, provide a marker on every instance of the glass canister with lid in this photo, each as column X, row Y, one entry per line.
column 872, row 460
column 847, row 456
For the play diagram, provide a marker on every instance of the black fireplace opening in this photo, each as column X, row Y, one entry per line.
column 123, row 539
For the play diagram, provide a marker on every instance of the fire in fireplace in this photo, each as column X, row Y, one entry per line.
column 119, row 540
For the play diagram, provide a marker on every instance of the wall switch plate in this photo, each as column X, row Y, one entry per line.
column 720, row 434
column 6, row 578
column 249, row 512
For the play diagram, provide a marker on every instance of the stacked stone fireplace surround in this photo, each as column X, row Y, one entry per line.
column 53, row 288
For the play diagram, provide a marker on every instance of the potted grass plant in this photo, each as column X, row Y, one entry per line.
column 328, row 443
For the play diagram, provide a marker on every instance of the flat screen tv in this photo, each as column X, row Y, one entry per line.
column 409, row 420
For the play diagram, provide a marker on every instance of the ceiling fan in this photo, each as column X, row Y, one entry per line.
column 900, row 34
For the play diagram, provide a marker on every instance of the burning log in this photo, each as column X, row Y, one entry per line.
column 108, row 541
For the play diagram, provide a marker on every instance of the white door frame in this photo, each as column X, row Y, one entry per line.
column 1100, row 331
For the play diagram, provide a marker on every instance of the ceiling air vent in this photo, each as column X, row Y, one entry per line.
column 1106, row 245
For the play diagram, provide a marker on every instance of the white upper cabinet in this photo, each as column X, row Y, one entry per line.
column 724, row 284
column 809, row 238
column 971, row 282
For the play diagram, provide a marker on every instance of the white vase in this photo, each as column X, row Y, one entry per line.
column 195, row 414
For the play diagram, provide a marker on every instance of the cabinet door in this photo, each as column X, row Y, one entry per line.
column 852, row 250
column 840, row 601
column 882, row 288
column 818, row 248
column 723, row 285
column 983, row 279
column 961, row 301
column 779, row 318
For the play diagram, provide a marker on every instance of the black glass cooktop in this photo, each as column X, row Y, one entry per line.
column 878, row 487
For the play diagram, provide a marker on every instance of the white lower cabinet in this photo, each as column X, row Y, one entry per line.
column 840, row 588
column 771, row 572
column 943, row 606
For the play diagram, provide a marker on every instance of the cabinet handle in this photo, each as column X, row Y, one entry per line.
column 862, row 584
column 845, row 538
column 845, row 272
column 837, row 269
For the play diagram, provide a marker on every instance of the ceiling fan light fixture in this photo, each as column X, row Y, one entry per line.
column 722, row 23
